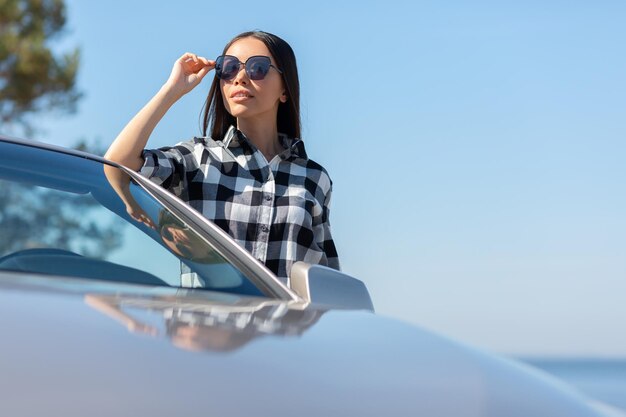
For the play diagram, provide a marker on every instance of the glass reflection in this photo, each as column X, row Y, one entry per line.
column 60, row 215
column 202, row 325
column 185, row 242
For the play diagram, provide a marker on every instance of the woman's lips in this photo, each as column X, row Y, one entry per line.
column 240, row 96
column 241, row 99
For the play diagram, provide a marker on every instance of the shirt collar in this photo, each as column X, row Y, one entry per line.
column 292, row 146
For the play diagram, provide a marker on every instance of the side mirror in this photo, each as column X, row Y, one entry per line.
column 322, row 285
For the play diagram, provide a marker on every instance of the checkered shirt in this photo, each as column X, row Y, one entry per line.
column 278, row 211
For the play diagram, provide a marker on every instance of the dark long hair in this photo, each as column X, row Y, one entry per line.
column 216, row 117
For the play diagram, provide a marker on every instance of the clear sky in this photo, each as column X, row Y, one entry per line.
column 476, row 148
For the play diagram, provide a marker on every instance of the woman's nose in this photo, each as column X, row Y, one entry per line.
column 241, row 76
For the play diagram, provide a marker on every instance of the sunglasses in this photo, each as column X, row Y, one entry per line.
column 182, row 249
column 257, row 67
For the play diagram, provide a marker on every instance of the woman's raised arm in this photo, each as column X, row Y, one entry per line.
column 186, row 74
column 127, row 148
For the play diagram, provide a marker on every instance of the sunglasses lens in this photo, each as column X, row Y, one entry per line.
column 226, row 67
column 166, row 234
column 257, row 67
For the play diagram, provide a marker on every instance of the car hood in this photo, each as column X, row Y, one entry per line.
column 74, row 348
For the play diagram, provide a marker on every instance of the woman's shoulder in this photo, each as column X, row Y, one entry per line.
column 317, row 167
column 299, row 156
column 194, row 145
column 317, row 174
column 201, row 141
column 190, row 151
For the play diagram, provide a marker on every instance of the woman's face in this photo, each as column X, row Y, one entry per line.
column 188, row 245
column 249, row 99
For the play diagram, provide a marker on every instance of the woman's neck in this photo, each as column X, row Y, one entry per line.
column 263, row 135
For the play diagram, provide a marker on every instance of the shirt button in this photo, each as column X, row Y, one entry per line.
column 264, row 228
column 268, row 197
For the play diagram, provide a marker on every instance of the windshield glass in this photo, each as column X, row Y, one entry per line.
column 60, row 216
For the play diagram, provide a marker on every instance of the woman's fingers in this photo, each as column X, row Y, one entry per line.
column 208, row 66
column 208, row 63
column 188, row 71
column 140, row 216
column 188, row 59
column 204, row 71
column 193, row 63
column 188, row 55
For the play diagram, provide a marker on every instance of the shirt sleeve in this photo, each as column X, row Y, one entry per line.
column 324, row 237
column 171, row 167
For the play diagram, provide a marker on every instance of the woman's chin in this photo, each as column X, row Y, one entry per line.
column 241, row 110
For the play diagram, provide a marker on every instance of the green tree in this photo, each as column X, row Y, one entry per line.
column 33, row 77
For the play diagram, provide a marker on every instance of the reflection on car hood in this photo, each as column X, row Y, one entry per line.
column 74, row 348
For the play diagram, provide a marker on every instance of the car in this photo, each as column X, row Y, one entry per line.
column 104, row 313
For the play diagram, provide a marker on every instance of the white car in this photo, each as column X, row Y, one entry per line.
column 102, row 315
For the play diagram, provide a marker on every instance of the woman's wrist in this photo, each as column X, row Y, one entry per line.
column 169, row 94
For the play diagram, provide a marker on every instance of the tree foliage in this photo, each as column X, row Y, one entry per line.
column 34, row 77
column 35, row 217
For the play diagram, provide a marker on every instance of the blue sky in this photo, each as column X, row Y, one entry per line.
column 476, row 148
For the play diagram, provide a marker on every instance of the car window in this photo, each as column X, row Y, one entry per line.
column 64, row 218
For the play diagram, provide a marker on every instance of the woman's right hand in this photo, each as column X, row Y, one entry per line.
column 187, row 73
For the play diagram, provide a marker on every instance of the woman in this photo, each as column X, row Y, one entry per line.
column 250, row 173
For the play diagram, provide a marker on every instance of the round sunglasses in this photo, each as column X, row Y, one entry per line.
column 257, row 67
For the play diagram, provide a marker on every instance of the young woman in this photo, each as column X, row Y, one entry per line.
column 249, row 173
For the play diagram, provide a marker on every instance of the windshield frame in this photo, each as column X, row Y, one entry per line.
column 255, row 271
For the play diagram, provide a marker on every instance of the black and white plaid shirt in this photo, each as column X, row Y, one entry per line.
column 279, row 211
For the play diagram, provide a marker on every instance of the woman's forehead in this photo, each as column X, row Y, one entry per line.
column 247, row 47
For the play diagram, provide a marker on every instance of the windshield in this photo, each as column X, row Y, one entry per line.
column 60, row 216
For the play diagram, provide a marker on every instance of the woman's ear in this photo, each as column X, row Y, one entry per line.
column 283, row 97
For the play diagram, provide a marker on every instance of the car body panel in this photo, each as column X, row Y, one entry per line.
column 67, row 358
